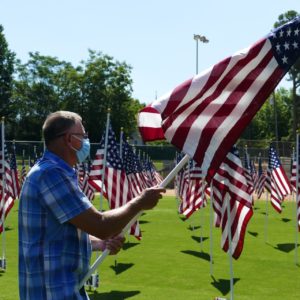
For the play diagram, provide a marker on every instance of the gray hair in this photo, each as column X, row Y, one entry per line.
column 58, row 123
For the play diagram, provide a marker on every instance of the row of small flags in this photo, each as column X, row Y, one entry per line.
column 235, row 182
column 127, row 175
column 119, row 174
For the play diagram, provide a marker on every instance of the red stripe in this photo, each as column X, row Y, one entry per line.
column 183, row 129
column 227, row 108
column 236, row 131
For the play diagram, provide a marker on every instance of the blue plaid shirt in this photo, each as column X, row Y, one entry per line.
column 53, row 254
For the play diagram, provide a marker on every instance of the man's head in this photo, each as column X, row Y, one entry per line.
column 64, row 134
column 59, row 123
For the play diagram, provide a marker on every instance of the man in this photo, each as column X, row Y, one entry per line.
column 56, row 218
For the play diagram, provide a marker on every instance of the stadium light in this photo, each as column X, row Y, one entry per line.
column 203, row 39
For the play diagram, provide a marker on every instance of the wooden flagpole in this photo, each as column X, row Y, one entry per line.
column 106, row 252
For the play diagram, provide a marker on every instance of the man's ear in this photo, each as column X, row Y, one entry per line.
column 68, row 138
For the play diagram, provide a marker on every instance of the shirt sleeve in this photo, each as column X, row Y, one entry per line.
column 61, row 195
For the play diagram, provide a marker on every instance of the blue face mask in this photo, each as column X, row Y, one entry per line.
column 84, row 151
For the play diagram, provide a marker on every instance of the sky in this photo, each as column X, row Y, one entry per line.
column 154, row 37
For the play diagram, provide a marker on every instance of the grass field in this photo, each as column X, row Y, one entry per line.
column 169, row 263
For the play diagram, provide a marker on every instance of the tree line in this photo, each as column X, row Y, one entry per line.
column 30, row 91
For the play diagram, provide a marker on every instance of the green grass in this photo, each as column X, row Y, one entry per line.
column 168, row 262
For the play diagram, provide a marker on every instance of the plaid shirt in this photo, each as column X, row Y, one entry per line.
column 53, row 254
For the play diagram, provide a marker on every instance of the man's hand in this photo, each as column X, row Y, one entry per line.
column 149, row 197
column 114, row 244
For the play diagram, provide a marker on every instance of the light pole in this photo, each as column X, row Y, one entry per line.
column 203, row 39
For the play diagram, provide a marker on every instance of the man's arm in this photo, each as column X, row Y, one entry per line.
column 110, row 223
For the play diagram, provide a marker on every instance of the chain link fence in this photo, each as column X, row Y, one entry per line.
column 165, row 154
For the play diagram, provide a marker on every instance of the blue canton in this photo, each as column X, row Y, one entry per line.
column 113, row 159
column 274, row 161
column 285, row 42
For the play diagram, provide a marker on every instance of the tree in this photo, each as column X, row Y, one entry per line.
column 7, row 60
column 36, row 94
column 263, row 124
column 294, row 76
column 106, row 83
column 45, row 84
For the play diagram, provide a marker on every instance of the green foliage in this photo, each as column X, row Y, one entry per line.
column 294, row 77
column 169, row 264
column 45, row 84
column 7, row 60
column 263, row 124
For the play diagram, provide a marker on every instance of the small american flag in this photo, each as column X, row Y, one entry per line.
column 204, row 116
column 261, row 179
column 298, row 181
column 248, row 175
column 23, row 172
column 194, row 197
column 83, row 180
column 231, row 182
column 133, row 169
column 14, row 174
column 6, row 189
column 293, row 171
column 277, row 182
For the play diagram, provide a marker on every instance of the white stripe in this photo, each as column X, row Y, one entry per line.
column 196, row 86
column 278, row 181
column 239, row 110
column 146, row 119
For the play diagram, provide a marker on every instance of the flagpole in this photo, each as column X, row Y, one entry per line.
column 176, row 186
column 297, row 197
column 210, row 229
column 3, row 260
column 104, row 158
column 189, row 184
column 201, row 215
column 229, row 244
column 106, row 252
column 266, row 218
column 121, row 141
column 121, row 156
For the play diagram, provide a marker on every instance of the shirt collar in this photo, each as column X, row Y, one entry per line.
column 62, row 163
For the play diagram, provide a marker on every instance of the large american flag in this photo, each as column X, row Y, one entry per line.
column 233, row 189
column 6, row 190
column 205, row 115
column 277, row 182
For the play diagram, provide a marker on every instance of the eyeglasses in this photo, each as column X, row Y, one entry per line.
column 84, row 135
